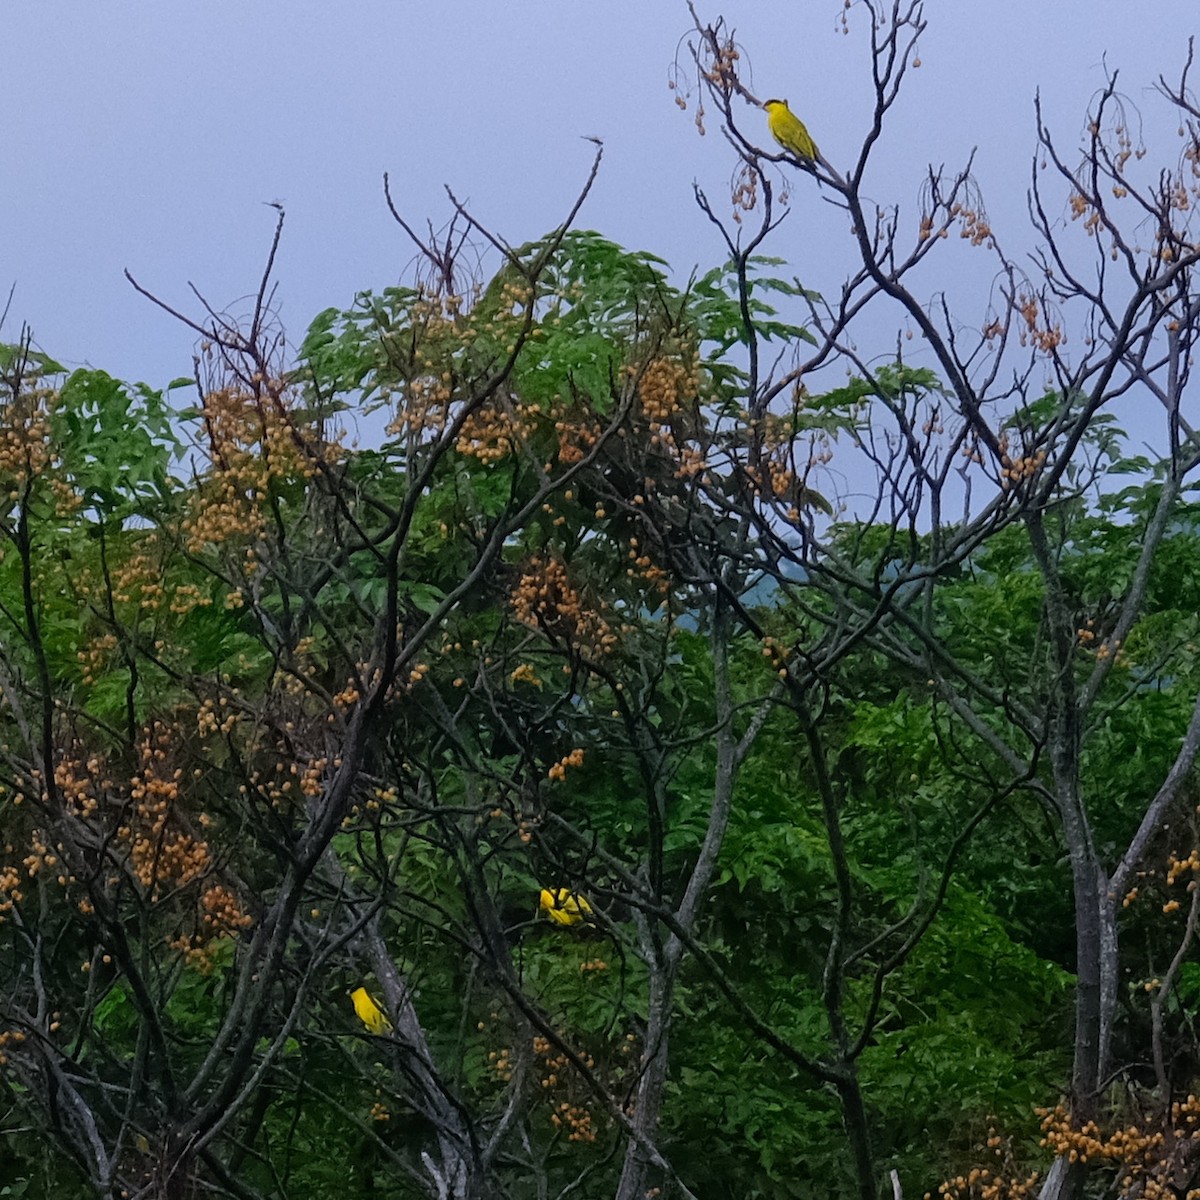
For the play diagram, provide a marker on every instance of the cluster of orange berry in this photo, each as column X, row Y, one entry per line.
column 644, row 567
column 10, row 887
column 81, row 784
column 501, row 1061
column 94, row 657
column 25, row 447
column 197, row 951
column 9, row 1037
column 975, row 228
column 663, row 386
column 215, row 717
column 1043, row 337
column 256, row 439
column 220, row 512
column 1177, row 867
column 526, row 825
column 1001, row 1181
column 160, row 854
column 185, row 598
column 980, row 1184
column 575, row 439
column 576, row 1119
column 558, row 770
column 545, row 598
column 40, row 855
column 1016, row 470
column 223, row 913
column 525, row 673
column 1147, row 1161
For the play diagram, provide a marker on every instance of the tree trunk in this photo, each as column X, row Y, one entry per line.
column 639, row 1155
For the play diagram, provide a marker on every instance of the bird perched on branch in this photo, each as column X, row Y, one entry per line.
column 563, row 907
column 789, row 131
column 369, row 1013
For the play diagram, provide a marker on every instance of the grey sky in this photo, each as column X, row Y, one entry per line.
column 148, row 136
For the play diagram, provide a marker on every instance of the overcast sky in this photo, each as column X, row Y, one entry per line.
column 149, row 136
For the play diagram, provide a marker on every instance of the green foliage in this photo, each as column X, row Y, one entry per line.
column 557, row 618
column 720, row 320
column 116, row 444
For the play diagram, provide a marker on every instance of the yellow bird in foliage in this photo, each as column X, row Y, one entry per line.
column 369, row 1013
column 564, row 907
column 789, row 131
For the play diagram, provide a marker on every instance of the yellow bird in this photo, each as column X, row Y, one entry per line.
column 564, row 907
column 369, row 1013
column 789, row 131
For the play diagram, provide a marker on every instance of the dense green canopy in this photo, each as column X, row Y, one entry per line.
column 550, row 738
